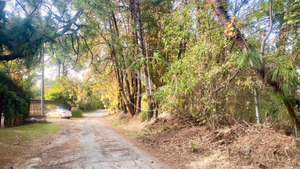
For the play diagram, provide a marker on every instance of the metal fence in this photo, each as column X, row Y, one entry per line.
column 35, row 106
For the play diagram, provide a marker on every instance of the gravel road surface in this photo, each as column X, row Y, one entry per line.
column 88, row 143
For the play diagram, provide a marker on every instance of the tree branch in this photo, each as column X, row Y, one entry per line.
column 262, row 48
column 236, row 73
column 88, row 48
column 12, row 56
column 34, row 9
column 23, row 7
column 224, row 18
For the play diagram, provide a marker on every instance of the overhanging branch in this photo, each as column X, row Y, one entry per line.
column 236, row 73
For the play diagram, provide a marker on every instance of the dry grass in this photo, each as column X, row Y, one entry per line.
column 210, row 162
column 240, row 146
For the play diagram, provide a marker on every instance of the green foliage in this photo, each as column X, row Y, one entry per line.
column 3, row 88
column 28, row 30
column 201, row 122
column 65, row 90
column 91, row 106
column 77, row 113
column 166, row 128
column 143, row 115
column 192, row 145
column 214, row 74
column 249, row 58
column 14, row 106
column 75, row 92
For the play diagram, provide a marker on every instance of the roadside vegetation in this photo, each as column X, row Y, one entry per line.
column 183, row 143
column 213, row 65
column 77, row 113
column 197, row 59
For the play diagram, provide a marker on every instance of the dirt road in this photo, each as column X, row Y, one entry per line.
column 87, row 143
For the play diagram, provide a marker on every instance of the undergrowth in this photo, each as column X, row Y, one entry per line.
column 77, row 113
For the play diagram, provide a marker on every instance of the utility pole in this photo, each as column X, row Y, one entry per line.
column 42, row 87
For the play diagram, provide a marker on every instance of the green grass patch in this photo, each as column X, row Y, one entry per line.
column 77, row 113
column 29, row 132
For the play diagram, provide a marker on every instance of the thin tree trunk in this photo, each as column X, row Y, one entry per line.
column 139, row 92
column 58, row 69
column 262, row 52
column 118, row 72
column 122, row 90
column 156, row 109
column 63, row 69
column 136, row 51
column 149, row 97
column 256, row 105
column 124, row 109
column 134, row 90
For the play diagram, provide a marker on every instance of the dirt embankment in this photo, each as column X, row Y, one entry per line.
column 184, row 144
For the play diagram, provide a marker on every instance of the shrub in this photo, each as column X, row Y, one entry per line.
column 14, row 107
column 192, row 145
column 143, row 115
column 77, row 113
column 91, row 106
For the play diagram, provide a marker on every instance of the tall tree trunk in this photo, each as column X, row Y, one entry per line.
column 149, row 97
column 119, row 77
column 59, row 69
column 134, row 90
column 124, row 109
column 138, row 84
column 139, row 92
column 264, row 69
column 118, row 72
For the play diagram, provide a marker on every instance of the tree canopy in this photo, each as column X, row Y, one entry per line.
column 231, row 59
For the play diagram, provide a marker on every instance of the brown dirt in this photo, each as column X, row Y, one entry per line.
column 24, row 153
column 240, row 146
column 84, row 143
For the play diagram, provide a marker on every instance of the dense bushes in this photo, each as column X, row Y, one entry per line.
column 144, row 106
column 91, row 106
column 14, row 108
column 77, row 113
